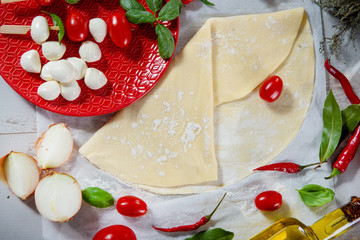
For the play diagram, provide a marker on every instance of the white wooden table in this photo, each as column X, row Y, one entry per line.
column 20, row 220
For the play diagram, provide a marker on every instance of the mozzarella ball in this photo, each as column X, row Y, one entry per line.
column 49, row 90
column 63, row 71
column 46, row 71
column 79, row 66
column 40, row 31
column 52, row 50
column 30, row 61
column 98, row 29
column 95, row 79
column 90, row 52
column 70, row 91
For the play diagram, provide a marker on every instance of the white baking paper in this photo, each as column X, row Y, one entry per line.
column 238, row 212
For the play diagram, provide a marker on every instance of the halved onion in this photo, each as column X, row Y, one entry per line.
column 58, row 197
column 54, row 147
column 20, row 172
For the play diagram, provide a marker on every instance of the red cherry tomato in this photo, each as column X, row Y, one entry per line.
column 44, row 2
column 131, row 206
column 186, row 1
column 76, row 26
column 115, row 232
column 119, row 29
column 268, row 201
column 271, row 88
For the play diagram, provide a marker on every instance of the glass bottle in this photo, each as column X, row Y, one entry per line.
column 328, row 227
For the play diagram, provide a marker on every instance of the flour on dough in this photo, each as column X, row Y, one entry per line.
column 204, row 125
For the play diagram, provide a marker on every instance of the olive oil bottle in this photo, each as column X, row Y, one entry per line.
column 328, row 227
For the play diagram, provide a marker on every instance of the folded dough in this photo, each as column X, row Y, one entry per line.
column 165, row 141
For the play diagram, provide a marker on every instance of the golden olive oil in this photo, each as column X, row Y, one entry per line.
column 328, row 227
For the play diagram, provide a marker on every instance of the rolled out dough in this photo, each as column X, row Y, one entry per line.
column 204, row 124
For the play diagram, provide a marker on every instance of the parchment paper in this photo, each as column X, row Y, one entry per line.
column 238, row 212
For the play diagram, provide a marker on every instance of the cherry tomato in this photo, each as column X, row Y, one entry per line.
column 44, row 2
column 131, row 206
column 268, row 201
column 186, row 1
column 76, row 26
column 115, row 232
column 119, row 29
column 271, row 88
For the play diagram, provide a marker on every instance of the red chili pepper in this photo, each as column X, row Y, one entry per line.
column 347, row 154
column 345, row 84
column 284, row 167
column 194, row 226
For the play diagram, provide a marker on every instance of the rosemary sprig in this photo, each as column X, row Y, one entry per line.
column 348, row 12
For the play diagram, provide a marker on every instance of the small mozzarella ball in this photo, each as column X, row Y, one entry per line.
column 46, row 71
column 90, row 52
column 70, row 91
column 95, row 79
column 52, row 50
column 49, row 90
column 98, row 29
column 79, row 66
column 30, row 61
column 63, row 71
column 40, row 31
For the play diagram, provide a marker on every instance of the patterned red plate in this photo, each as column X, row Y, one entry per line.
column 131, row 71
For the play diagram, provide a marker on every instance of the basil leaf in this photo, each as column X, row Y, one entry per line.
column 332, row 127
column 139, row 16
column 166, row 41
column 170, row 10
column 350, row 118
column 213, row 234
column 208, row 3
column 72, row 1
column 154, row 5
column 97, row 197
column 315, row 195
column 131, row 4
column 57, row 22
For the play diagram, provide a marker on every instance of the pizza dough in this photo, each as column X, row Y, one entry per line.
column 204, row 125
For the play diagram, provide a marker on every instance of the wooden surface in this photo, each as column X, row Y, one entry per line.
column 20, row 220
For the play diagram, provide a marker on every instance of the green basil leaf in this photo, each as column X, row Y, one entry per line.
column 170, row 10
column 208, row 3
column 213, row 234
column 57, row 22
column 97, row 197
column 315, row 195
column 139, row 16
column 332, row 125
column 154, row 5
column 72, row 1
column 131, row 4
column 166, row 41
column 350, row 118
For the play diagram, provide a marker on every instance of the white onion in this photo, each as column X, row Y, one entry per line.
column 21, row 173
column 58, row 197
column 54, row 147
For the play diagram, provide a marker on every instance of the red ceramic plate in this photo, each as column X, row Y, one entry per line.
column 131, row 71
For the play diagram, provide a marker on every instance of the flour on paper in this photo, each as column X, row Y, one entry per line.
column 204, row 125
